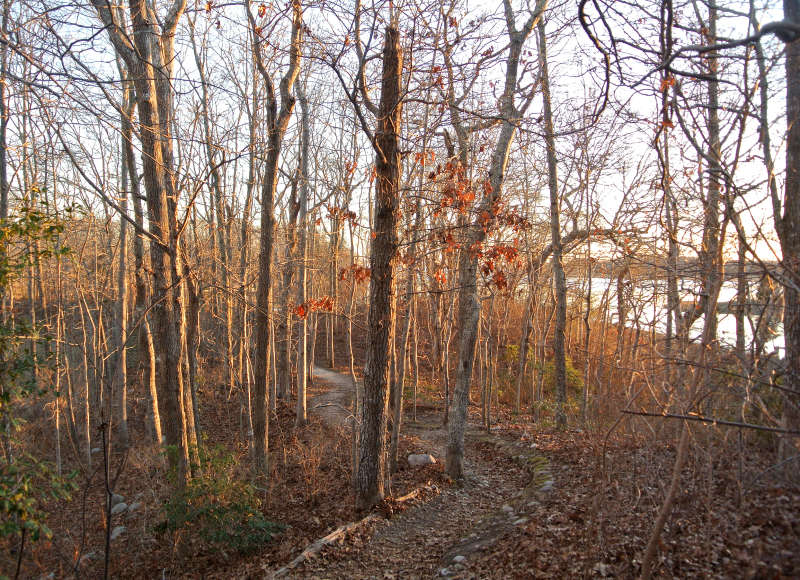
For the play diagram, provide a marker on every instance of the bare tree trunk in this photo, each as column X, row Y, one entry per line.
column 524, row 341
column 5, row 428
column 559, row 355
column 415, row 356
column 402, row 349
column 712, row 268
column 86, row 394
column 60, row 355
column 277, row 122
column 191, row 405
column 4, row 116
column 284, row 313
column 740, row 310
column 242, row 348
column 468, row 303
column 787, row 224
column 120, row 329
column 381, row 318
column 489, row 360
column 448, row 327
column 262, row 323
column 148, row 54
column 146, row 349
column 587, row 332
column 356, row 389
column 301, row 416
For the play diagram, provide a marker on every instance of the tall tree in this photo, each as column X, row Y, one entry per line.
column 787, row 223
column 277, row 120
column 559, row 278
column 383, row 249
column 468, row 302
column 147, row 48
column 302, row 251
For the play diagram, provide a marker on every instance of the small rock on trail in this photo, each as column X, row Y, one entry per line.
column 419, row 459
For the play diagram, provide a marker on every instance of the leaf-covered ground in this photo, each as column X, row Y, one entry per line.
column 536, row 504
column 734, row 518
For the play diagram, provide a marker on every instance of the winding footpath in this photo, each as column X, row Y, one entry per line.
column 435, row 537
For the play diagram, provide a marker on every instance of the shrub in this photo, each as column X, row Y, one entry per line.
column 25, row 482
column 221, row 508
column 574, row 379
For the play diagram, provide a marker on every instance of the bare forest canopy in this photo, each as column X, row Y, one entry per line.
column 534, row 216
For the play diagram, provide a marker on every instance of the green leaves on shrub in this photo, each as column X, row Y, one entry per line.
column 23, row 485
column 574, row 378
column 218, row 507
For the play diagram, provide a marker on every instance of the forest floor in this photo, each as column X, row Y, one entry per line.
column 435, row 535
column 547, row 504
column 535, row 503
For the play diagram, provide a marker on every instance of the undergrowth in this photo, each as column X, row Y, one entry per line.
column 218, row 507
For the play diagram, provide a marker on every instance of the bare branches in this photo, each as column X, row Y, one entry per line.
column 587, row 29
column 713, row 421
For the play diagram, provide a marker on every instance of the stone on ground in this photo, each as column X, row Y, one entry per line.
column 420, row 459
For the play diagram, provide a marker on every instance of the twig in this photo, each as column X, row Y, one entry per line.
column 315, row 548
column 412, row 494
column 774, row 467
column 21, row 551
column 714, row 421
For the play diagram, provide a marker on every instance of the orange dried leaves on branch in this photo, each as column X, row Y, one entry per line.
column 356, row 273
column 499, row 280
column 321, row 304
column 666, row 83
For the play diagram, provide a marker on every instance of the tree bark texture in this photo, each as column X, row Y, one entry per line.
column 559, row 278
column 148, row 56
column 789, row 233
column 381, row 317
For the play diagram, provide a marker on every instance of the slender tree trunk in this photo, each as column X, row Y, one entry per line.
column 262, row 321
column 277, row 122
column 146, row 350
column 740, row 310
column 587, row 328
column 354, row 381
column 522, row 352
column 4, row 117
column 402, row 349
column 284, row 313
column 85, row 396
column 301, row 416
column 712, row 268
column 468, row 302
column 242, row 326
column 148, row 54
column 415, row 355
column 120, row 330
column 559, row 354
column 194, row 434
column 788, row 227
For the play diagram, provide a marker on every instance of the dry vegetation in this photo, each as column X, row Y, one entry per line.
column 555, row 245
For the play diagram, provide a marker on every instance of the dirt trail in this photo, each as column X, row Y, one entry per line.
column 434, row 537
column 335, row 404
